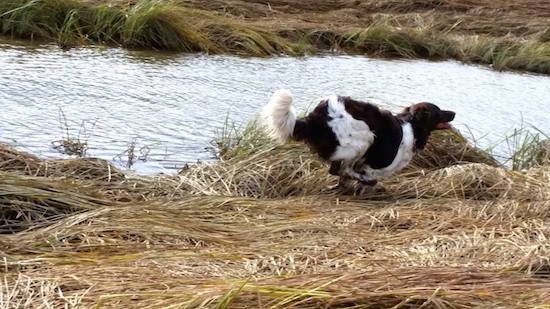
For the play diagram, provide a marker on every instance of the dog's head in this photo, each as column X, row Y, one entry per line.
column 426, row 117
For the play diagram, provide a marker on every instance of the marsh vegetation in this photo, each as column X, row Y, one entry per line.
column 498, row 33
column 257, row 229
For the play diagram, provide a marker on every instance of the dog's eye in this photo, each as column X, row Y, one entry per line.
column 423, row 113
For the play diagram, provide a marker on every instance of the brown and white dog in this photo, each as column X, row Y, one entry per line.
column 362, row 141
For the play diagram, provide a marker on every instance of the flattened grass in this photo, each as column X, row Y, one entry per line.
column 298, row 252
column 257, row 229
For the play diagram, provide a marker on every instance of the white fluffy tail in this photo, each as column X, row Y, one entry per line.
column 279, row 116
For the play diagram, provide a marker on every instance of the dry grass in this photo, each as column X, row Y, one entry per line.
column 257, row 230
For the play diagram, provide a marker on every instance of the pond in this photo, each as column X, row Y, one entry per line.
column 171, row 106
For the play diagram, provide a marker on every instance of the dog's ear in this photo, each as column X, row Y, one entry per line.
column 425, row 114
column 420, row 119
column 421, row 114
column 406, row 113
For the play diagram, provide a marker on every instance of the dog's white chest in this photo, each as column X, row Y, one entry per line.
column 403, row 157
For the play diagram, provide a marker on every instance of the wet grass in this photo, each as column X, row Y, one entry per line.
column 69, row 144
column 526, row 146
column 257, row 229
column 147, row 24
column 419, row 29
column 383, row 40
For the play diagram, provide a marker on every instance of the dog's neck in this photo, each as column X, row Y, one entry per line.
column 420, row 133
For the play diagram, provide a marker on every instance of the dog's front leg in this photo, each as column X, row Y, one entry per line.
column 349, row 176
column 370, row 182
column 363, row 176
column 348, row 173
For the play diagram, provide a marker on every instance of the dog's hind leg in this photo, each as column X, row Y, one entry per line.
column 339, row 168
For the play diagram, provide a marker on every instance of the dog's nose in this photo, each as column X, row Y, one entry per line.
column 449, row 115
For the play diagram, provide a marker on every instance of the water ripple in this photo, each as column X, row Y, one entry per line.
column 174, row 104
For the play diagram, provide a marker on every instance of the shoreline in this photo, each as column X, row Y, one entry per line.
column 258, row 227
column 503, row 36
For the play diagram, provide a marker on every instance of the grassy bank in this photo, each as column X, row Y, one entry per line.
column 147, row 24
column 258, row 229
column 503, row 35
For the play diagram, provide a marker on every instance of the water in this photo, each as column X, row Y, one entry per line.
column 173, row 105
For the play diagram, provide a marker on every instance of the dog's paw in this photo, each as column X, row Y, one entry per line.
column 331, row 189
column 344, row 186
column 370, row 191
column 368, row 182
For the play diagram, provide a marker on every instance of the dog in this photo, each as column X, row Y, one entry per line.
column 361, row 141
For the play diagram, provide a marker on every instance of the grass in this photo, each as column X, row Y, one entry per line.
column 71, row 145
column 239, row 142
column 147, row 24
column 505, row 36
column 526, row 147
column 257, row 229
column 132, row 155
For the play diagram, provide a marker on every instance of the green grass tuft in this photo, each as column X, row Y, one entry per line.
column 35, row 18
column 159, row 25
column 234, row 142
column 147, row 24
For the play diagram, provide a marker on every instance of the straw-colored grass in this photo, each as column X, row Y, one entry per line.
column 504, row 35
column 300, row 252
column 83, row 168
column 258, row 230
